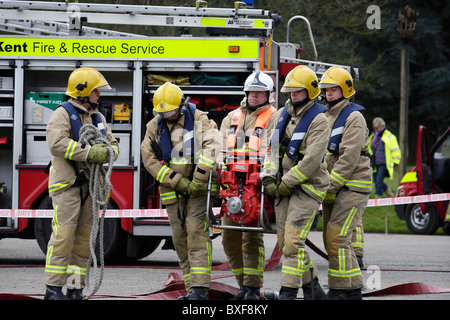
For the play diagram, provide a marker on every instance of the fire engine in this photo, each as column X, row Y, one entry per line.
column 43, row 42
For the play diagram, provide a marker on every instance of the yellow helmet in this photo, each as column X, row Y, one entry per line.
column 338, row 77
column 82, row 81
column 302, row 77
column 167, row 98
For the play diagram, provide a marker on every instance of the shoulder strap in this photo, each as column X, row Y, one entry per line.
column 260, row 125
column 236, row 119
column 338, row 127
column 75, row 121
column 302, row 127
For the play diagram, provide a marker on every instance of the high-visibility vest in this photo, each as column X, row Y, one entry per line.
column 188, row 136
column 255, row 138
column 338, row 127
column 75, row 121
column 293, row 147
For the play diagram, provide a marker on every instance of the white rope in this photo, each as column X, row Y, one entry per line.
column 99, row 189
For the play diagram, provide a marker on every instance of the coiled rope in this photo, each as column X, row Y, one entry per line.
column 100, row 189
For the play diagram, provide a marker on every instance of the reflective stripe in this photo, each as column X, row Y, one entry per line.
column 351, row 183
column 116, row 149
column 306, row 229
column 179, row 161
column 168, row 195
column 207, row 162
column 337, row 178
column 162, row 173
column 348, row 222
column 271, row 166
column 342, row 272
column 76, row 270
column 300, row 176
column 238, row 272
column 358, row 243
column 56, row 186
column 55, row 269
column 319, row 193
column 70, row 149
column 359, row 183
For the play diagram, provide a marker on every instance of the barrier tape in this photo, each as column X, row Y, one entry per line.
column 161, row 213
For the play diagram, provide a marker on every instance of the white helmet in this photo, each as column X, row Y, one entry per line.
column 259, row 81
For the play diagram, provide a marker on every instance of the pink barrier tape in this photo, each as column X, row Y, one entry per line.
column 161, row 213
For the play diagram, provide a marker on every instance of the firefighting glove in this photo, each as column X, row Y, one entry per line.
column 284, row 190
column 329, row 198
column 197, row 187
column 270, row 187
column 98, row 153
column 183, row 185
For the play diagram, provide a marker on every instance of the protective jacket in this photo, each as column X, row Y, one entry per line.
column 207, row 146
column 391, row 151
column 65, row 150
column 350, row 168
column 307, row 171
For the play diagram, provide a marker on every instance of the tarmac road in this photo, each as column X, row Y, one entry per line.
column 389, row 260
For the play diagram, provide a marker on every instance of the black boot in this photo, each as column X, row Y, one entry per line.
column 335, row 294
column 241, row 294
column 75, row 294
column 287, row 293
column 313, row 287
column 252, row 293
column 198, row 293
column 54, row 293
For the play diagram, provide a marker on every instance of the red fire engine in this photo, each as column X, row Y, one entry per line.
column 37, row 56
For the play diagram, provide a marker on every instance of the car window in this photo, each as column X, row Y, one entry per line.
column 444, row 150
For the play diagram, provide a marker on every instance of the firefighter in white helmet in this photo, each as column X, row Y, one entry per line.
column 68, row 248
column 179, row 150
column 350, row 182
column 295, row 173
column 254, row 118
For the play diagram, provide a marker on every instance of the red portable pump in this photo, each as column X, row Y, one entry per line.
column 241, row 189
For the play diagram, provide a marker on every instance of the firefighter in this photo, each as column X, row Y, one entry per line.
column 246, row 129
column 179, row 150
column 68, row 248
column 294, row 173
column 350, row 183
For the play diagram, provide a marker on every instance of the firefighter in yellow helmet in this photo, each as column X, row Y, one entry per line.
column 350, row 183
column 254, row 118
column 179, row 150
column 68, row 248
column 295, row 173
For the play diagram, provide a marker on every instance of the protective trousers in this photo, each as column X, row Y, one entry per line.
column 295, row 215
column 68, row 248
column 339, row 222
column 245, row 254
column 190, row 236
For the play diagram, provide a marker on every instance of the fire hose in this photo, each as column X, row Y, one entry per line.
column 100, row 188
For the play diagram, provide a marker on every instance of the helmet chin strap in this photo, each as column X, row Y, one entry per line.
column 300, row 103
column 334, row 102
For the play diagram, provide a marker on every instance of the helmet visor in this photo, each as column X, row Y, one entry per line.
column 165, row 115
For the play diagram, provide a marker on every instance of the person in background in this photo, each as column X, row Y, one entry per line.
column 385, row 153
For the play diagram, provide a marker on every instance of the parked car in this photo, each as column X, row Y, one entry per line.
column 430, row 175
